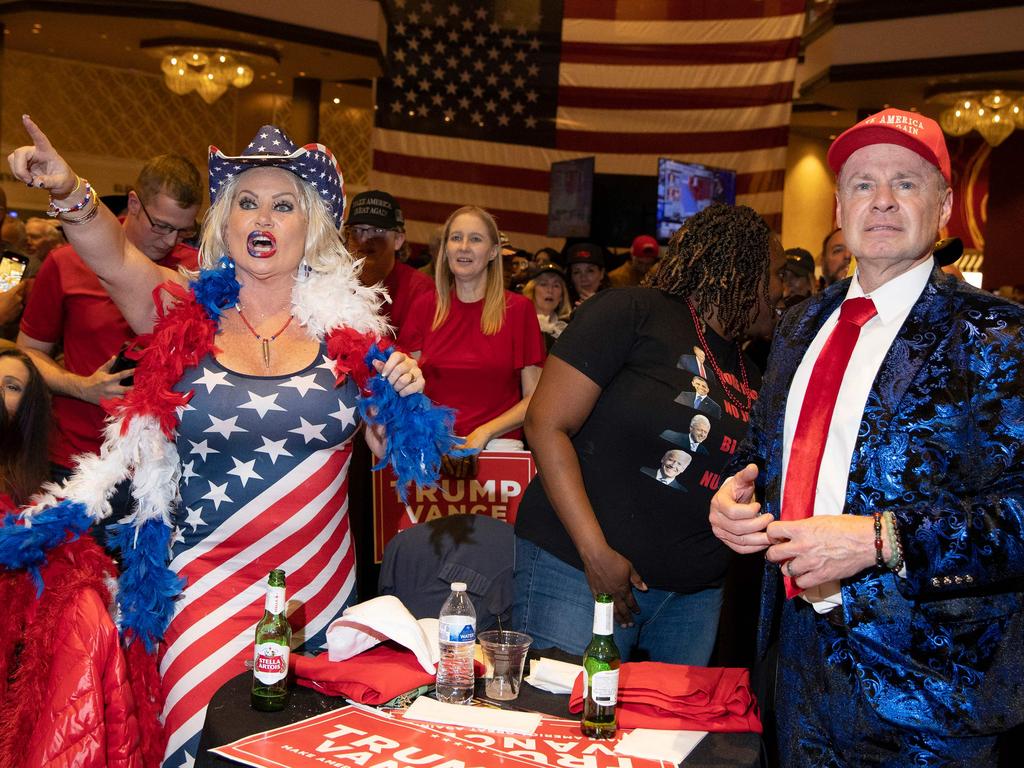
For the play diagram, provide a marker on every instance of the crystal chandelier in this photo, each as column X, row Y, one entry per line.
column 206, row 67
column 992, row 113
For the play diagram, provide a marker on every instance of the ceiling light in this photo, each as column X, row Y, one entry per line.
column 992, row 112
column 208, row 67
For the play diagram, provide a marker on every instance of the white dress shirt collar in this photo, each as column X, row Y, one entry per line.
column 894, row 298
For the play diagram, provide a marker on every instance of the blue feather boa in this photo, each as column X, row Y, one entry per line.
column 146, row 587
column 419, row 432
column 25, row 546
column 217, row 289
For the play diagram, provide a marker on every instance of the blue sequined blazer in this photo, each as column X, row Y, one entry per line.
column 941, row 445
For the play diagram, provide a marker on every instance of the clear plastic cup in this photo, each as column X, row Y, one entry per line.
column 504, row 654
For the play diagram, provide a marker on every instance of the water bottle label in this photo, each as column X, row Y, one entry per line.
column 604, row 687
column 275, row 600
column 270, row 662
column 457, row 629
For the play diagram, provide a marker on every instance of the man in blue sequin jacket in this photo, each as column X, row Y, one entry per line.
column 905, row 644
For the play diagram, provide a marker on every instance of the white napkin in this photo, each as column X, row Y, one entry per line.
column 365, row 625
column 671, row 746
column 553, row 676
column 428, row 710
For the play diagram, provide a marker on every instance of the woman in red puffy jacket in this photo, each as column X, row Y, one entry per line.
column 65, row 697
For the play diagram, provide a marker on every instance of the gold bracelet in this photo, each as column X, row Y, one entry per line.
column 55, row 210
column 78, row 186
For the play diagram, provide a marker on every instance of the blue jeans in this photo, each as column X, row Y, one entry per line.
column 554, row 605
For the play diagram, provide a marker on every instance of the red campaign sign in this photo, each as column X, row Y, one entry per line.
column 357, row 738
column 353, row 737
column 502, row 477
column 556, row 742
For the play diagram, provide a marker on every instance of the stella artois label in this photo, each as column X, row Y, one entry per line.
column 270, row 662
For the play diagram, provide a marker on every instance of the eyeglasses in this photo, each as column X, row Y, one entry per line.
column 163, row 228
column 366, row 232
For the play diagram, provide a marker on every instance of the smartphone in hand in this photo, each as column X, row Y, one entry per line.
column 12, row 269
column 124, row 363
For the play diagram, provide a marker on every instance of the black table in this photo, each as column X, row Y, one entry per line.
column 229, row 717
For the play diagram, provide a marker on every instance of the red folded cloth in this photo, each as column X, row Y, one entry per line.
column 373, row 677
column 680, row 697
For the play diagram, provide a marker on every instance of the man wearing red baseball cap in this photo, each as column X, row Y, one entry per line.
column 890, row 503
column 643, row 255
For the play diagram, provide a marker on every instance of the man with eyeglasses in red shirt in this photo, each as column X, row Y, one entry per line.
column 69, row 306
column 374, row 232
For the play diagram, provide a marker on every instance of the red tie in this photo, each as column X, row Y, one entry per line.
column 816, row 414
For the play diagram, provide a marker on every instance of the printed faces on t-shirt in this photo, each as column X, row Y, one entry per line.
column 689, row 451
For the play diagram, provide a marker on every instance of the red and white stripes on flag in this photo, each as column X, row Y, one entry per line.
column 706, row 81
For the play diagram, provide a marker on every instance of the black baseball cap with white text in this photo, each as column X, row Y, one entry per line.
column 376, row 208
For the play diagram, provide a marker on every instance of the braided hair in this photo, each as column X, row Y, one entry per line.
column 719, row 259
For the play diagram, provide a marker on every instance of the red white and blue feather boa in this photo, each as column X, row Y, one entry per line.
column 139, row 438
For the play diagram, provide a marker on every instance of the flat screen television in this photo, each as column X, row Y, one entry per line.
column 685, row 189
column 571, row 197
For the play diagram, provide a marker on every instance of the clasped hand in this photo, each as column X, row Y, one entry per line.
column 813, row 551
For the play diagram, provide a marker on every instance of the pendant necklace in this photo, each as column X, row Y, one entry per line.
column 264, row 340
column 745, row 391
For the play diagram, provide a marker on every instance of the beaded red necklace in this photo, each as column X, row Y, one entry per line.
column 745, row 391
column 264, row 340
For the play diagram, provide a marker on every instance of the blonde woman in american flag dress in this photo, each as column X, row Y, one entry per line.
column 240, row 442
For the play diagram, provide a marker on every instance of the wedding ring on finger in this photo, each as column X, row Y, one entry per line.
column 789, row 569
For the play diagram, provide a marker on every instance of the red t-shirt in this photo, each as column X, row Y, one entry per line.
column 477, row 375
column 404, row 284
column 68, row 303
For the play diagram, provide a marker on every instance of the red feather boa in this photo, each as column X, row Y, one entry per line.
column 182, row 336
column 348, row 349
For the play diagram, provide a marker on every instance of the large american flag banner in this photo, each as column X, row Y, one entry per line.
column 480, row 98
column 264, row 485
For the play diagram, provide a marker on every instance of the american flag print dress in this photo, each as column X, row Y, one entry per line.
column 264, row 485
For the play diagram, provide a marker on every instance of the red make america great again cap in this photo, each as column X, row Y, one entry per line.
column 915, row 132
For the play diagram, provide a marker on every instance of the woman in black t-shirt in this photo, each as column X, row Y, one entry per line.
column 616, row 508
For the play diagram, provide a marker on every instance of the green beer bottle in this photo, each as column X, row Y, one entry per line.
column 601, row 674
column 273, row 644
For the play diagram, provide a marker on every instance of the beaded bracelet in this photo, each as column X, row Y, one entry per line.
column 896, row 562
column 82, row 219
column 55, row 210
column 879, row 558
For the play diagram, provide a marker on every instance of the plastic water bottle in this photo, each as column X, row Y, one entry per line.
column 457, row 636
